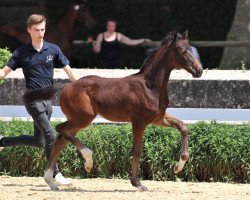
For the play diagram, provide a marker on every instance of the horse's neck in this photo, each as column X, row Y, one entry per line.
column 157, row 74
column 68, row 21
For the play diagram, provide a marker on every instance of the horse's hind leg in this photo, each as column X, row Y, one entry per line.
column 66, row 131
column 59, row 145
column 170, row 121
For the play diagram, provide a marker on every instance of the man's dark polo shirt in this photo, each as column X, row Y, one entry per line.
column 38, row 67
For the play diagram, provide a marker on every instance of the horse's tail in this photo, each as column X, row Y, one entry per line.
column 45, row 93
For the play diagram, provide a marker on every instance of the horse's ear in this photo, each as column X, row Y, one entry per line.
column 185, row 35
column 173, row 34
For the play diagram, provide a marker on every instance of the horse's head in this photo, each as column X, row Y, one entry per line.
column 83, row 13
column 182, row 55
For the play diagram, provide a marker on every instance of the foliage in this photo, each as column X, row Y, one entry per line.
column 5, row 54
column 218, row 152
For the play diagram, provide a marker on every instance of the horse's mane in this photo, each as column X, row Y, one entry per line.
column 156, row 54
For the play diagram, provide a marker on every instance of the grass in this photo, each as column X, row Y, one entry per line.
column 218, row 152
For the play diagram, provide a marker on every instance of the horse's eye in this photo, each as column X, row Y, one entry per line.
column 183, row 50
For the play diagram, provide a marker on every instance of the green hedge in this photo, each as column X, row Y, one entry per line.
column 5, row 54
column 218, row 152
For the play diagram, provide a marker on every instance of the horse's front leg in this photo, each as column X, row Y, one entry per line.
column 169, row 121
column 138, row 133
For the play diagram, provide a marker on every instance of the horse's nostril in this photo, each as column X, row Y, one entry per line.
column 200, row 72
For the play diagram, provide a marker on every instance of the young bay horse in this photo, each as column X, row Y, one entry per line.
column 140, row 98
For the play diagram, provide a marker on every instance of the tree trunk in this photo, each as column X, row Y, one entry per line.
column 238, row 57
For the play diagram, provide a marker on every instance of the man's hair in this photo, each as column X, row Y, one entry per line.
column 35, row 19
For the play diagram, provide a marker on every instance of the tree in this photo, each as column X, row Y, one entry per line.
column 238, row 57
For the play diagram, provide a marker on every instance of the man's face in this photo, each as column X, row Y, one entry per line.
column 111, row 26
column 37, row 31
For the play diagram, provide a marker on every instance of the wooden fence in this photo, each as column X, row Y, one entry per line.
column 194, row 43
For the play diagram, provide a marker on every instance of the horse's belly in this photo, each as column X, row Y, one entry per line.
column 115, row 117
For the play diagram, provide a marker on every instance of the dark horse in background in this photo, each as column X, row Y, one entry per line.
column 10, row 42
column 60, row 33
column 140, row 98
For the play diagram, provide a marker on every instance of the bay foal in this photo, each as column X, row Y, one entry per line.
column 140, row 98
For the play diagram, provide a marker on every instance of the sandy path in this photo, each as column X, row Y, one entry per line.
column 35, row 188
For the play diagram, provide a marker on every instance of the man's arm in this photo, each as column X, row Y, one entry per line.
column 4, row 72
column 70, row 73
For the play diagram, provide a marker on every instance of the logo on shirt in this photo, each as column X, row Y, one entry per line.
column 49, row 58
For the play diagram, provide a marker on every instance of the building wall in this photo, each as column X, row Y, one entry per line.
column 194, row 93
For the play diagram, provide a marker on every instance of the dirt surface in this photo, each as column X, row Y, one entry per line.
column 35, row 188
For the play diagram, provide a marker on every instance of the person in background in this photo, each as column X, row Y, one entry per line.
column 196, row 53
column 108, row 44
column 38, row 60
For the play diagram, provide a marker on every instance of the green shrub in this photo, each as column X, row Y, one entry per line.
column 218, row 152
column 5, row 54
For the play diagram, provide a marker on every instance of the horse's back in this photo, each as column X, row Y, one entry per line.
column 95, row 80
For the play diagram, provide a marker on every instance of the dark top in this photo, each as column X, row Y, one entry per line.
column 38, row 67
column 111, row 53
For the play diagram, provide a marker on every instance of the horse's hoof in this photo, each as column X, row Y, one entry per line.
column 88, row 166
column 52, row 185
column 136, row 183
column 48, row 177
column 54, row 188
column 87, row 155
column 179, row 166
column 177, row 169
column 142, row 188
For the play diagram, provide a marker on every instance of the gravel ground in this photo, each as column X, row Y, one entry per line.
column 34, row 188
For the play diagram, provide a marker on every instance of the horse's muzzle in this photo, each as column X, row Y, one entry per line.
column 197, row 69
column 198, row 73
